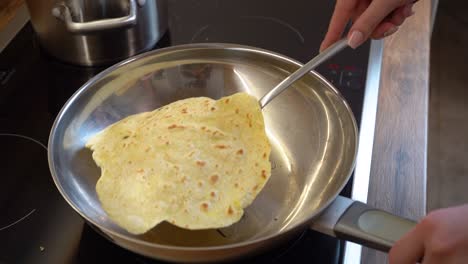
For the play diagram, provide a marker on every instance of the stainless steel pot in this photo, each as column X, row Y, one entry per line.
column 312, row 131
column 90, row 32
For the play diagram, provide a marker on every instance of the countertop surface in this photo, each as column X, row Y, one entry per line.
column 8, row 10
column 399, row 157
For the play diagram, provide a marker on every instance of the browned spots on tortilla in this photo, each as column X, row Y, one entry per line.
column 256, row 164
column 184, row 111
column 173, row 222
column 237, row 125
column 255, row 187
column 183, row 179
column 204, row 206
column 167, row 116
column 216, row 166
column 174, row 126
column 140, row 170
column 213, row 194
column 129, row 162
column 186, row 211
column 226, row 101
column 125, row 137
column 240, row 152
column 237, row 110
column 124, row 145
column 250, row 123
column 264, row 155
column 212, row 108
column 214, row 178
column 230, row 211
column 214, row 133
column 203, row 128
column 264, row 176
column 167, row 142
column 191, row 153
column 200, row 184
column 221, row 146
column 147, row 149
column 236, row 185
column 240, row 170
column 200, row 163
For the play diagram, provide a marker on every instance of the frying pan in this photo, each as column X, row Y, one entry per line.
column 311, row 128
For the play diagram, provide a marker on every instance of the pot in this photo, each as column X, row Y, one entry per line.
column 89, row 32
column 312, row 132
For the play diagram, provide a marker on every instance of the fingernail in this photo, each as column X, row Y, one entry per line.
column 390, row 31
column 356, row 39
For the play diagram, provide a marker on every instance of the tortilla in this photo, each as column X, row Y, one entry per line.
column 196, row 163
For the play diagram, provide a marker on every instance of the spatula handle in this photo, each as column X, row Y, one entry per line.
column 312, row 64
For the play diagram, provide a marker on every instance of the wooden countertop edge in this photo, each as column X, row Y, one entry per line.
column 399, row 157
column 8, row 10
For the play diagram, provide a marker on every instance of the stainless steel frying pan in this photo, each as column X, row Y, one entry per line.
column 311, row 128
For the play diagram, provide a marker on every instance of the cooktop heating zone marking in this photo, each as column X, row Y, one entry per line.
column 25, row 137
column 19, row 220
column 33, row 210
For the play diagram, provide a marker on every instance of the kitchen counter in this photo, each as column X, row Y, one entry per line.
column 8, row 11
column 397, row 180
column 13, row 15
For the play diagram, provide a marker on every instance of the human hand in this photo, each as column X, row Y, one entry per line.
column 371, row 18
column 441, row 237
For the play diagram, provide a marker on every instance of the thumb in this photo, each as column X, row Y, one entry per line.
column 368, row 21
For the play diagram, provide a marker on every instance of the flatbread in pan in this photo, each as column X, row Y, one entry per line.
column 196, row 163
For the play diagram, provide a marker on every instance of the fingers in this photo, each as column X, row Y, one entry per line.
column 409, row 249
column 383, row 30
column 400, row 14
column 392, row 22
column 368, row 21
column 374, row 20
column 441, row 237
column 341, row 16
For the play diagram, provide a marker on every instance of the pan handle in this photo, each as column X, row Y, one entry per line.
column 62, row 11
column 360, row 223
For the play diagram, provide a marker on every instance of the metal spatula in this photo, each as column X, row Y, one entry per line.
column 312, row 64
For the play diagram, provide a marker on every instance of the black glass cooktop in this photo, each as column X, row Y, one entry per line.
column 36, row 224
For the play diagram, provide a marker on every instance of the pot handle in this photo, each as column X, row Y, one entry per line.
column 360, row 223
column 62, row 11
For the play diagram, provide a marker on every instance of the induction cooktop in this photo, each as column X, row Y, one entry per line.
column 38, row 226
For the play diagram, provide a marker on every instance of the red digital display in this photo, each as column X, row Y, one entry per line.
column 350, row 68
